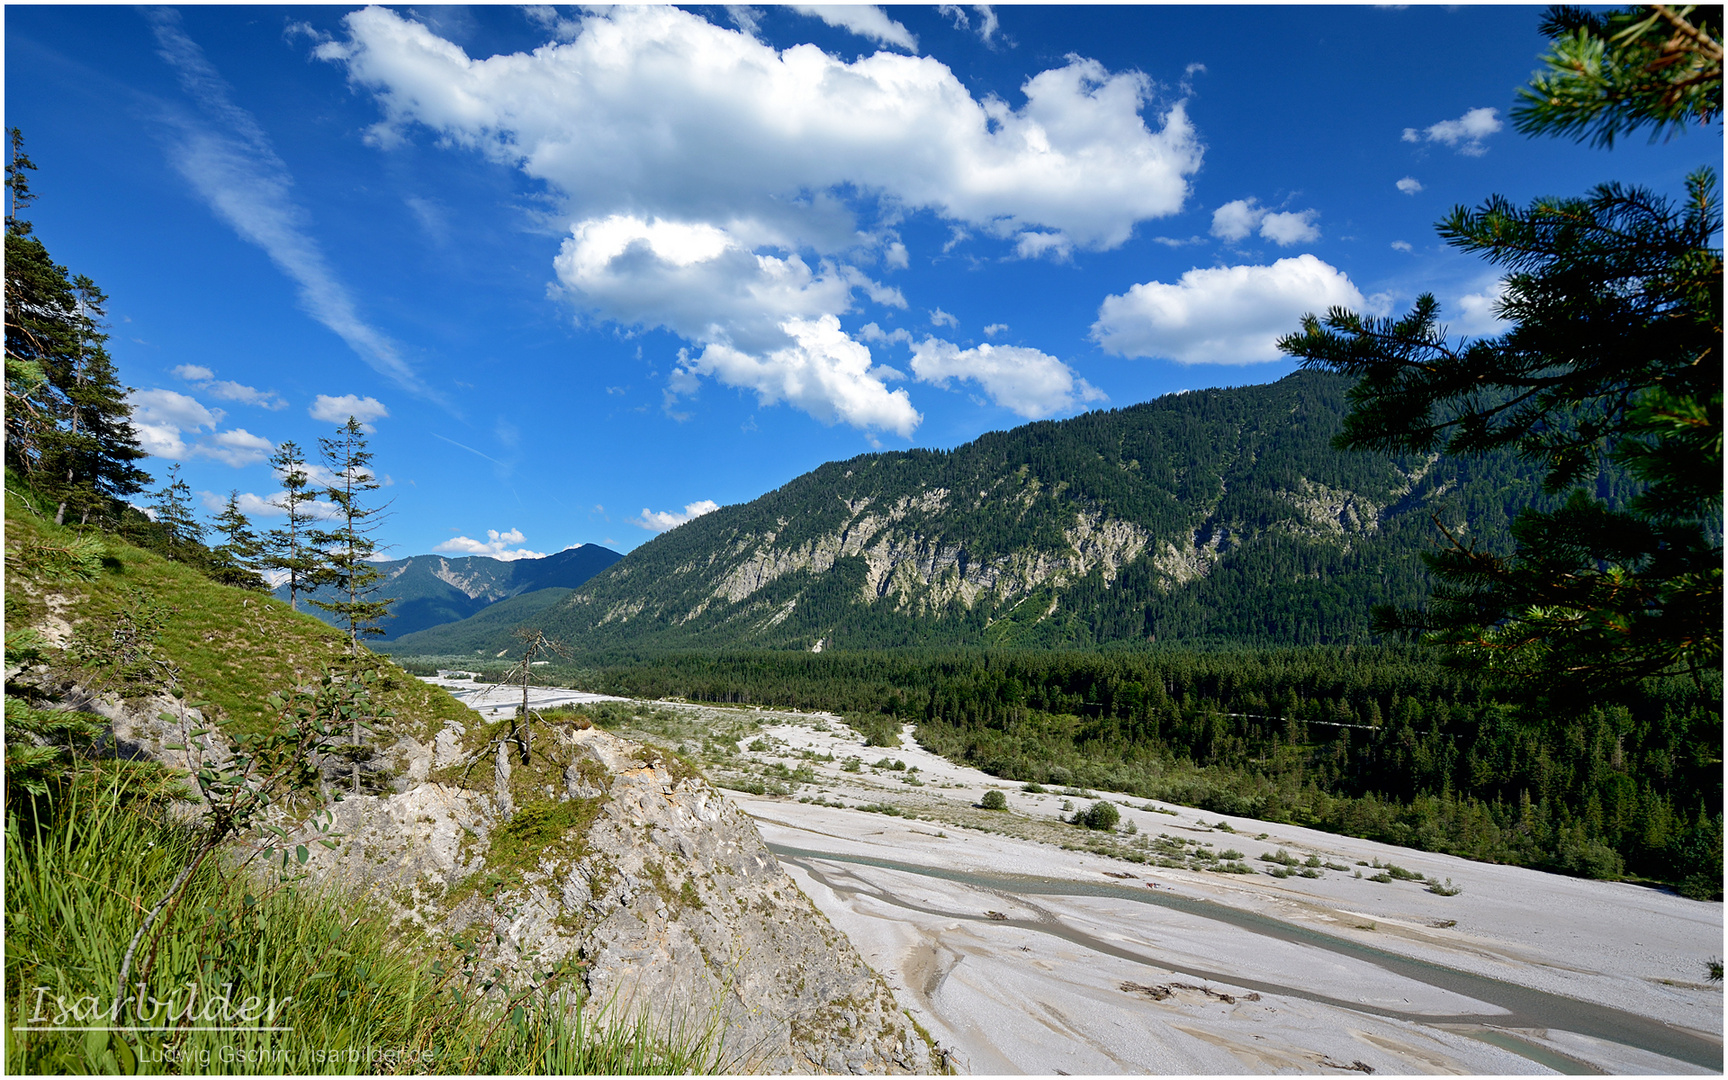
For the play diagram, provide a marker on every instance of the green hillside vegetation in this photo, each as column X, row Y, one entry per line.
column 231, row 647
column 1387, row 743
column 463, row 639
column 1213, row 516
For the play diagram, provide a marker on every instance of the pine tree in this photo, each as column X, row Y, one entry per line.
column 1614, row 355
column 290, row 549
column 238, row 557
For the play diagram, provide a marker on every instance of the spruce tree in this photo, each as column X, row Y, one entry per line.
column 88, row 459
column 290, row 549
column 67, row 421
column 40, row 323
column 237, row 558
column 347, row 548
column 177, row 527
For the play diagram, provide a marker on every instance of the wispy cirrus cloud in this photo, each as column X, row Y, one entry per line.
column 230, row 161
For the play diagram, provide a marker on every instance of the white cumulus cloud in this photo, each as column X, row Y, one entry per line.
column 822, row 371
column 873, row 332
column 1236, row 219
column 162, row 417
column 1464, row 134
column 1409, row 185
column 496, row 546
column 865, row 20
column 223, row 390
column 1024, row 381
column 237, row 447
column 659, row 521
column 1222, row 315
column 720, row 188
column 262, row 506
column 655, row 108
column 337, row 409
column 1290, row 228
column 1480, row 311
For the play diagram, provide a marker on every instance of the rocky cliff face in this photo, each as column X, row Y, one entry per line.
column 613, row 854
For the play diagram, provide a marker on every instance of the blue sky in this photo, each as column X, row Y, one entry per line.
column 585, row 274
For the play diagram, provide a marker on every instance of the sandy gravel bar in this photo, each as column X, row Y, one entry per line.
column 1022, row 957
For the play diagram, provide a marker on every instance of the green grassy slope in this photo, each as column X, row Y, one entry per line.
column 232, row 647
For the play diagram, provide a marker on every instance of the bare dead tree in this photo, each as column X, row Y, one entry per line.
column 535, row 644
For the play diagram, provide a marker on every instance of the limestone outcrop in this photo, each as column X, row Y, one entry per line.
column 610, row 853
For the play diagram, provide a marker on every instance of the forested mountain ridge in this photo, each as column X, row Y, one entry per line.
column 430, row 590
column 1212, row 515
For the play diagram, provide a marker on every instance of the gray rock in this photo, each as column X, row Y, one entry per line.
column 669, row 896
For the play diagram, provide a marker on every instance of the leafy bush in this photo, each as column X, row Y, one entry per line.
column 877, row 730
column 1100, row 815
column 994, row 800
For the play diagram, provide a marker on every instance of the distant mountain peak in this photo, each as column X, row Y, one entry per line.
column 431, row 590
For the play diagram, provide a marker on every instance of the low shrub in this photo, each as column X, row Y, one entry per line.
column 1100, row 815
